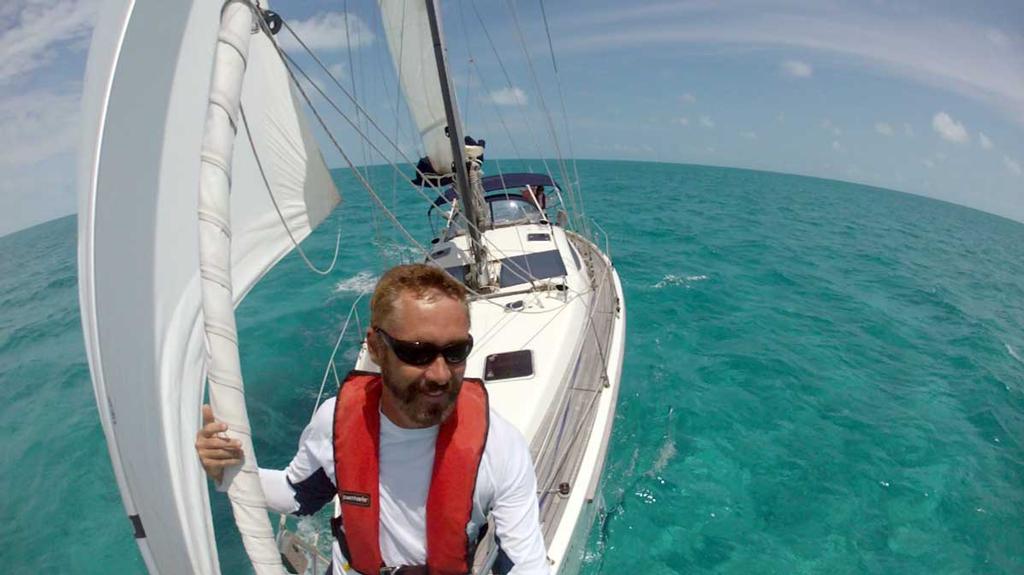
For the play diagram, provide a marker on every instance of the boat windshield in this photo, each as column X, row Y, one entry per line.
column 512, row 210
column 506, row 209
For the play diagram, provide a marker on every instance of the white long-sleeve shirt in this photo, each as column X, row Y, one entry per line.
column 506, row 487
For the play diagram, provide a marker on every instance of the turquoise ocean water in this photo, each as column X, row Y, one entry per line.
column 820, row 377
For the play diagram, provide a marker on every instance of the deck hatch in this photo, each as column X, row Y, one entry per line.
column 509, row 365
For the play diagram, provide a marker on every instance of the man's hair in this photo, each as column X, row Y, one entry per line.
column 417, row 279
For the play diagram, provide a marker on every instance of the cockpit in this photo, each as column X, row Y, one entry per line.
column 511, row 199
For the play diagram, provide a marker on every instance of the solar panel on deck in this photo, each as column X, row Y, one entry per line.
column 509, row 365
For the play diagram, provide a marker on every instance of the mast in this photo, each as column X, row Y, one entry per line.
column 470, row 196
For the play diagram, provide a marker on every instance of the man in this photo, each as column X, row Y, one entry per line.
column 444, row 459
column 536, row 196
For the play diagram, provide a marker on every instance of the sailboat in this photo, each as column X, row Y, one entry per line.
column 199, row 172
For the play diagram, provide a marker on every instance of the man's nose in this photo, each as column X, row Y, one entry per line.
column 438, row 370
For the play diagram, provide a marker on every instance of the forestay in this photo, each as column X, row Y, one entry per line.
column 147, row 84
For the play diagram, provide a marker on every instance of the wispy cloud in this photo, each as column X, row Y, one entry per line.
column 682, row 121
column 337, row 70
column 942, row 51
column 40, row 128
column 37, row 125
column 883, row 128
column 508, row 97
column 35, row 32
column 688, row 98
column 797, row 69
column 984, row 140
column 1012, row 165
column 951, row 130
column 836, row 145
column 750, row 135
column 328, row 32
column 707, row 122
column 827, row 125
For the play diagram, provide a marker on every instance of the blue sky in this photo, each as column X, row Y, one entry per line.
column 922, row 97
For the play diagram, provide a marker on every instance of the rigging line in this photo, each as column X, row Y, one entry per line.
column 363, row 181
column 398, row 101
column 334, row 352
column 352, row 77
column 496, row 250
column 377, row 233
column 561, row 98
column 486, row 88
column 544, row 107
column 277, row 208
column 291, row 63
column 337, row 109
column 511, row 87
column 352, row 99
column 540, row 95
column 351, row 124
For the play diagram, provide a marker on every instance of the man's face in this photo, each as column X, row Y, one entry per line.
column 420, row 396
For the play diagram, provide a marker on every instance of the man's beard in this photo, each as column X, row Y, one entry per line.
column 413, row 402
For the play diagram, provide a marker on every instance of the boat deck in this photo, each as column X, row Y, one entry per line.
column 572, row 424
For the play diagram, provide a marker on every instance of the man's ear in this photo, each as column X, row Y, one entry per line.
column 373, row 345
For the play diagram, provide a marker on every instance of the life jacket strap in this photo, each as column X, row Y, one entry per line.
column 339, row 536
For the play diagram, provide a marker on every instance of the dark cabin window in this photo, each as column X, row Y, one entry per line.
column 509, row 365
column 458, row 272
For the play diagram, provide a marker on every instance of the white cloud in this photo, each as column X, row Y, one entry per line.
column 797, row 69
column 836, row 145
column 997, row 37
column 883, row 128
column 688, row 98
column 337, row 70
column 1012, row 165
column 985, row 142
column 827, row 124
column 928, row 163
column 949, row 129
column 908, row 130
column 683, row 121
column 947, row 51
column 36, row 126
column 750, row 135
column 35, row 31
column 328, row 32
column 41, row 129
column 707, row 122
column 508, row 97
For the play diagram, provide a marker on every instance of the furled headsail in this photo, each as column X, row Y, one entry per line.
column 407, row 28
column 147, row 88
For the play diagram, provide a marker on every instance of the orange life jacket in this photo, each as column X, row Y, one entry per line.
column 460, row 446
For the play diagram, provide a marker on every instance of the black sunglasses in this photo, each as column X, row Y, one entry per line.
column 421, row 353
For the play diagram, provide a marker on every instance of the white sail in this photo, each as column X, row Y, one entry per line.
column 147, row 88
column 407, row 28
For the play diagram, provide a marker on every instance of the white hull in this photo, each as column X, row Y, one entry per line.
column 566, row 408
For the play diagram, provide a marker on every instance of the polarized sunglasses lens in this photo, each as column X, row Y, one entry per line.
column 458, row 352
column 415, row 353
